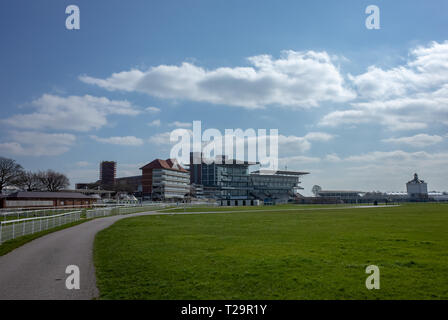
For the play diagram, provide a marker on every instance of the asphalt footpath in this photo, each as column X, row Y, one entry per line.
column 37, row 270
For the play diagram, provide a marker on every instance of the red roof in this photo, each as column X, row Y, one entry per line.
column 169, row 164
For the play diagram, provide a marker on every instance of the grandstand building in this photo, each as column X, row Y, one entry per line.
column 276, row 187
column 165, row 180
column 229, row 179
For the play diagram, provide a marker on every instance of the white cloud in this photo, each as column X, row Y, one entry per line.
column 318, row 136
column 155, row 123
column 124, row 141
column 31, row 143
column 332, row 157
column 297, row 160
column 293, row 144
column 179, row 124
column 427, row 69
column 152, row 110
column 396, row 156
column 408, row 97
column 82, row 164
column 290, row 145
column 129, row 169
column 78, row 113
column 297, row 145
column 419, row 140
column 160, row 138
column 296, row 79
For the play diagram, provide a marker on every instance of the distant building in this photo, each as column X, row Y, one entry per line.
column 197, row 191
column 88, row 185
column 438, row 196
column 108, row 172
column 195, row 168
column 229, row 179
column 226, row 178
column 22, row 199
column 131, row 184
column 417, row 189
column 276, row 187
column 165, row 180
column 346, row 196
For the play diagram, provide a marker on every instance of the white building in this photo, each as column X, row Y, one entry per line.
column 417, row 189
column 170, row 184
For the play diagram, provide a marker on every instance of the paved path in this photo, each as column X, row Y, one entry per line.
column 37, row 269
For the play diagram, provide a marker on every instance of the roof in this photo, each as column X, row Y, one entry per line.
column 128, row 178
column 340, row 191
column 236, row 162
column 279, row 172
column 89, row 191
column 169, row 164
column 47, row 195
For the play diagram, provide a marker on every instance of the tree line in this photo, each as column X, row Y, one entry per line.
column 13, row 174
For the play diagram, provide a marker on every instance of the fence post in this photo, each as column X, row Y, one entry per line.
column 32, row 228
column 1, row 225
column 13, row 230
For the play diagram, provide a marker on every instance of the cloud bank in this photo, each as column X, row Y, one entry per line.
column 295, row 79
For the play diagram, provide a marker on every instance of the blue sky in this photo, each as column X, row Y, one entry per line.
column 360, row 109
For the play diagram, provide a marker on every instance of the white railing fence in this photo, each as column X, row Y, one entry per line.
column 100, row 212
column 21, row 223
column 33, row 213
column 12, row 229
column 103, row 212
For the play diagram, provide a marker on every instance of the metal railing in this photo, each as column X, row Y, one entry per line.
column 16, row 215
column 77, row 206
column 103, row 212
column 100, row 212
column 12, row 229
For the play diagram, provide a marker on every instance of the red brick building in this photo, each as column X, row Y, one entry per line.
column 163, row 179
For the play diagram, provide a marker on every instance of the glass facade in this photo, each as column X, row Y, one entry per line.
column 230, row 180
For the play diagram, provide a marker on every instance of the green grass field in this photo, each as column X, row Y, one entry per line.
column 307, row 254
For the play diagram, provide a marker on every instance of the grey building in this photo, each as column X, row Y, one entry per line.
column 417, row 189
column 229, row 179
column 276, row 187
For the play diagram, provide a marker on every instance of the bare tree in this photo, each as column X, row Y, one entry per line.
column 53, row 181
column 10, row 171
column 29, row 181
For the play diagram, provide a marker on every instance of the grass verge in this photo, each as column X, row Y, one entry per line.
column 319, row 254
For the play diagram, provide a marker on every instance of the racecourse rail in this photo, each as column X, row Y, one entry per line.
column 34, row 221
column 21, row 223
column 12, row 229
